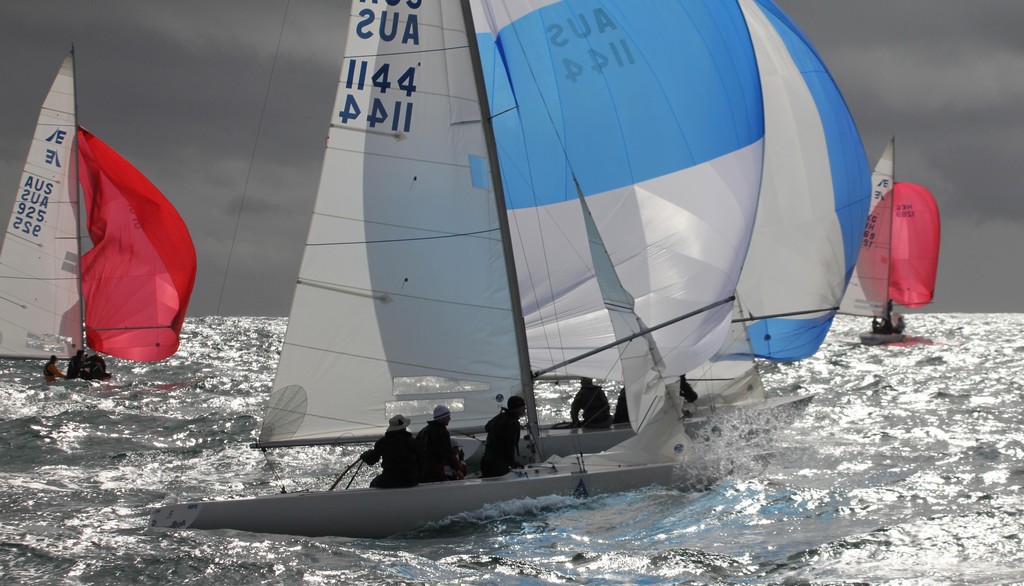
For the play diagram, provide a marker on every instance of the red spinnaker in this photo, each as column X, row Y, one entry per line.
column 915, row 245
column 138, row 277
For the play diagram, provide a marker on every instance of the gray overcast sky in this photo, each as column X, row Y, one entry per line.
column 197, row 94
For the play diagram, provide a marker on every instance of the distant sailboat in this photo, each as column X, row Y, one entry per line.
column 899, row 254
column 128, row 294
column 407, row 295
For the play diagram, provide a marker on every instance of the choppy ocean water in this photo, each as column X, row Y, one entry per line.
column 907, row 468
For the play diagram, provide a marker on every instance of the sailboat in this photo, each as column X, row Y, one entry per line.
column 899, row 254
column 408, row 294
column 813, row 203
column 128, row 294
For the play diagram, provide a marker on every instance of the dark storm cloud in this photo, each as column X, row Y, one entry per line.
column 222, row 104
column 202, row 97
column 946, row 78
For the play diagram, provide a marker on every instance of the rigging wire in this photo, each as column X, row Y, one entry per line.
column 273, row 470
column 252, row 158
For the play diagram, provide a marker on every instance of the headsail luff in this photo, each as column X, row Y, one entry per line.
column 138, row 277
column 642, row 367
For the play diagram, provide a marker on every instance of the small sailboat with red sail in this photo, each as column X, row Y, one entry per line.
column 126, row 296
column 899, row 254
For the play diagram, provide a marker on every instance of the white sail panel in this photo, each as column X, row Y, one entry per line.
column 403, row 298
column 677, row 243
column 641, row 360
column 40, row 310
column 814, row 193
column 731, row 377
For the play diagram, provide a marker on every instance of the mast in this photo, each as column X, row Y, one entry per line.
column 892, row 216
column 75, row 189
column 526, row 376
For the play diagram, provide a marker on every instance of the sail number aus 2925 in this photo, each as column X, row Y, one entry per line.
column 399, row 112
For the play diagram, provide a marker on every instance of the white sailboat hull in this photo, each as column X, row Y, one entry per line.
column 376, row 513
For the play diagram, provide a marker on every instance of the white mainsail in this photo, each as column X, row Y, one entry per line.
column 40, row 300
column 403, row 298
column 868, row 292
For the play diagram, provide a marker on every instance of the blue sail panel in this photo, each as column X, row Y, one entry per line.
column 654, row 107
column 814, row 198
column 619, row 92
column 788, row 339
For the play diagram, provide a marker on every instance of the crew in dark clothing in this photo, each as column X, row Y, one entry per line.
column 688, row 394
column 401, row 459
column 502, row 444
column 436, row 447
column 94, row 368
column 621, row 408
column 593, row 402
column 75, row 364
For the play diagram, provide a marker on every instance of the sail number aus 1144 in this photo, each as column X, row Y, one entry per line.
column 399, row 112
